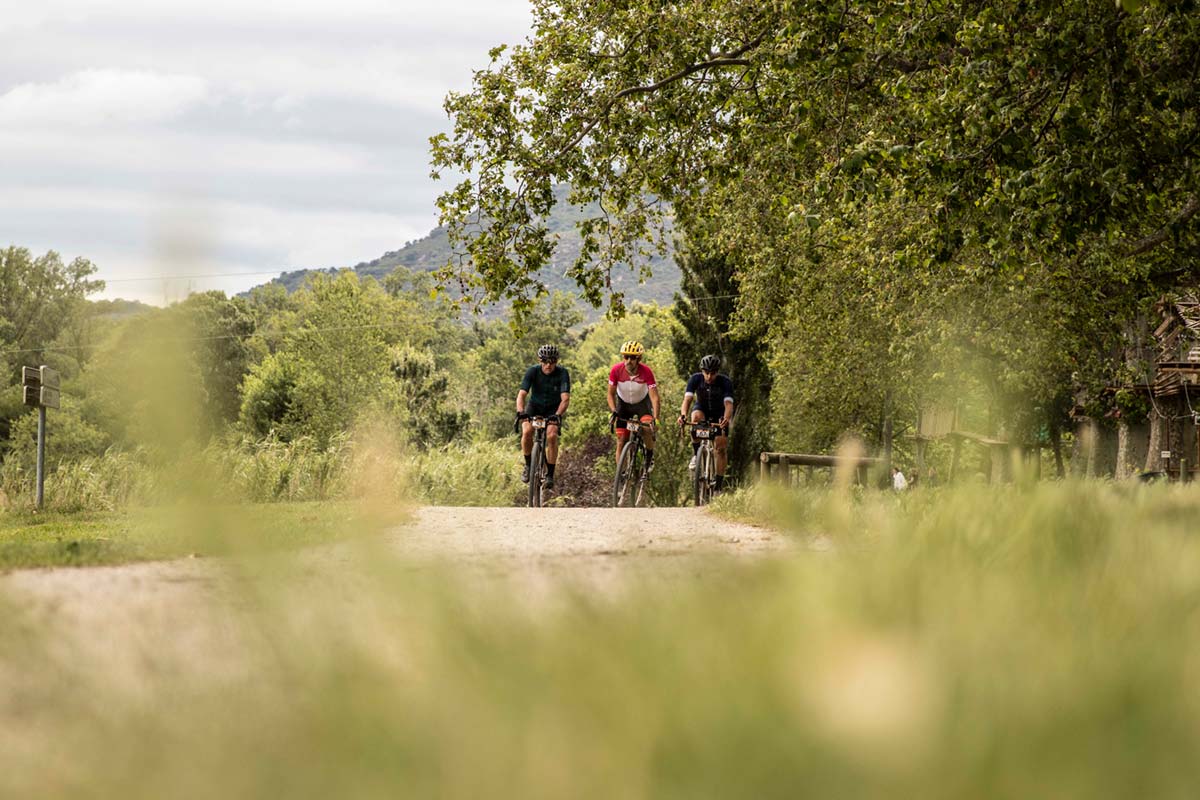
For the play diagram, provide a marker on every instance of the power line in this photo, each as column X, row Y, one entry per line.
column 187, row 340
column 208, row 275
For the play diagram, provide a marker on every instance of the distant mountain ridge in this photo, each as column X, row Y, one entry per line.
column 433, row 251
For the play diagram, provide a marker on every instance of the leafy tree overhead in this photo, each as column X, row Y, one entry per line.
column 881, row 166
column 1015, row 124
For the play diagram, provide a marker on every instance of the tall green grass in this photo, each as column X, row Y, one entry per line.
column 1034, row 641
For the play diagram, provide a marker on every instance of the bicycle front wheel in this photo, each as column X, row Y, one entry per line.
column 537, row 471
column 705, row 473
column 626, row 483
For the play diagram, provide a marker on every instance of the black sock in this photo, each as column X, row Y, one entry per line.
column 649, row 457
column 527, row 457
column 550, row 470
column 695, row 448
column 720, row 482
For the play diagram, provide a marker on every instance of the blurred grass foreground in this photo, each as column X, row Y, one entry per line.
column 1029, row 641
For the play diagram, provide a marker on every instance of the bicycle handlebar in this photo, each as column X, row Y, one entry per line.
column 555, row 419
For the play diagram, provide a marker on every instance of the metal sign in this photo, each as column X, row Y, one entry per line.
column 31, row 381
column 49, row 377
column 1165, row 454
column 41, row 386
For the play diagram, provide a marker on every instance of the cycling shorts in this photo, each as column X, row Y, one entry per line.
column 642, row 410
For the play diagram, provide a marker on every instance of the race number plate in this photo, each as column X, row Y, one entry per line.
column 539, row 423
column 704, row 433
column 633, row 426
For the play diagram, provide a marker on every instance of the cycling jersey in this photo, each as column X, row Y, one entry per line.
column 710, row 397
column 546, row 391
column 631, row 387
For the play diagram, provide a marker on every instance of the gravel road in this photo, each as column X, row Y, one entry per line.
column 166, row 614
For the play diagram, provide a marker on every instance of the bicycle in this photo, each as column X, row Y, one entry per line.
column 629, row 484
column 537, row 457
column 704, row 477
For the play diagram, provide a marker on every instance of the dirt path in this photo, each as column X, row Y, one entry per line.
column 169, row 613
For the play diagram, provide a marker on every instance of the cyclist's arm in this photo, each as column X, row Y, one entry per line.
column 687, row 403
column 521, row 395
column 654, row 401
column 612, row 397
column 564, row 401
column 728, row 414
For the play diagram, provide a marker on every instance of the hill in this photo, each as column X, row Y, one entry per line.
column 432, row 251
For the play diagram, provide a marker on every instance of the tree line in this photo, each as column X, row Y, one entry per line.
column 276, row 369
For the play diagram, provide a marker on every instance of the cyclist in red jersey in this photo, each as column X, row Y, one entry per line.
column 633, row 393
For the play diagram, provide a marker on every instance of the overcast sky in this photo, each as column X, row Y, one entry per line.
column 187, row 137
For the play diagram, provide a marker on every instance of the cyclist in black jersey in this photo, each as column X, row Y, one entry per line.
column 545, row 392
column 712, row 393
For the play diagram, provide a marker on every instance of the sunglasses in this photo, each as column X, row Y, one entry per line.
column 633, row 358
column 549, row 360
column 709, row 371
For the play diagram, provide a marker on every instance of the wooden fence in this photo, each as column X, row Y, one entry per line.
column 779, row 465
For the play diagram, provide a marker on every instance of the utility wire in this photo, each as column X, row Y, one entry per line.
column 208, row 275
column 187, row 340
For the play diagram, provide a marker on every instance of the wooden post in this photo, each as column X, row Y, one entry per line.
column 785, row 470
column 764, row 468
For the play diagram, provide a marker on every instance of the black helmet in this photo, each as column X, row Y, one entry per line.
column 710, row 363
column 548, row 352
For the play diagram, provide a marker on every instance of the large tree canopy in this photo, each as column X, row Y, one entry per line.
column 933, row 183
column 1016, row 126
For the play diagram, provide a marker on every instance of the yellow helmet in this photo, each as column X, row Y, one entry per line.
column 632, row 348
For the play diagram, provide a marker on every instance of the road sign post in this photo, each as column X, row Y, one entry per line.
column 40, row 387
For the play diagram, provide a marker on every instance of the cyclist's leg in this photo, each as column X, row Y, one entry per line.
column 526, row 437
column 721, row 445
column 552, row 444
column 697, row 417
column 624, row 412
column 526, row 446
column 551, row 451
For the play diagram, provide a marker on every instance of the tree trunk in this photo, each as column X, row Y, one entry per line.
column 1126, row 459
column 1056, row 446
column 887, row 432
column 1154, row 449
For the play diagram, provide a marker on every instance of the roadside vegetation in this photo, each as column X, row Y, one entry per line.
column 964, row 642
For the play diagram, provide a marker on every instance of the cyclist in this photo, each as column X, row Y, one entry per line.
column 633, row 392
column 545, row 392
column 712, row 392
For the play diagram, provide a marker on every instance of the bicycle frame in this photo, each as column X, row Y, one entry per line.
column 629, row 484
column 537, row 461
column 704, row 478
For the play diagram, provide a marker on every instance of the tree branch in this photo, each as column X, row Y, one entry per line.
column 1155, row 239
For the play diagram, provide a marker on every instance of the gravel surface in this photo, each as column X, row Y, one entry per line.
column 166, row 617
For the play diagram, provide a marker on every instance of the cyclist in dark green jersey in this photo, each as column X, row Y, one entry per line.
column 545, row 392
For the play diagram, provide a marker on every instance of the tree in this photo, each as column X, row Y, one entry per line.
column 704, row 313
column 39, row 299
column 39, row 295
column 890, row 160
column 333, row 362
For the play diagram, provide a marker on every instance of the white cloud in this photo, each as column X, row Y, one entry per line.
column 98, row 97
column 303, row 123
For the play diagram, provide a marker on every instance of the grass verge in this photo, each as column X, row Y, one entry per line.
column 83, row 539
